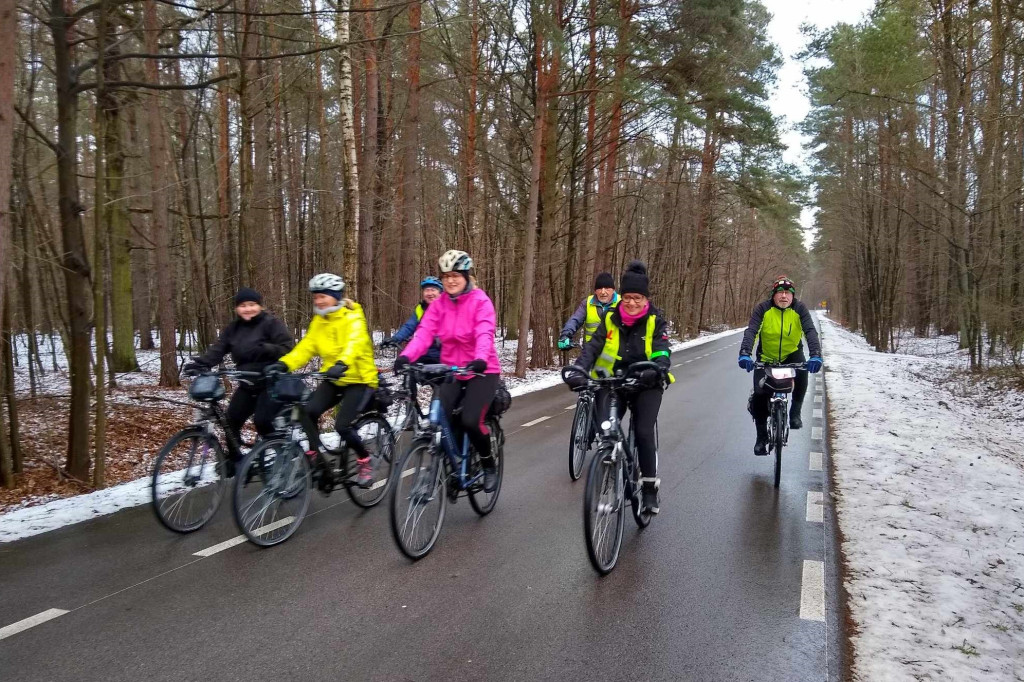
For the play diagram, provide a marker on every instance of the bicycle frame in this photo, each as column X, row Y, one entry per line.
column 443, row 438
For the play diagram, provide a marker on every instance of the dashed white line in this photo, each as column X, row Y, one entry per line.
column 571, row 407
column 812, row 591
column 815, row 508
column 817, row 414
column 818, row 399
column 536, row 421
column 815, row 433
column 30, row 622
column 228, row 544
column 815, row 463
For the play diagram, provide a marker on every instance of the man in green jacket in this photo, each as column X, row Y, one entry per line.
column 778, row 325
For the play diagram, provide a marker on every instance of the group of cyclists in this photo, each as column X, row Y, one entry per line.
column 454, row 324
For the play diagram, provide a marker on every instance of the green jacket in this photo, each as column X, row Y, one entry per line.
column 779, row 332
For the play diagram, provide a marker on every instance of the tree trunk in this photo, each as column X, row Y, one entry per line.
column 348, row 134
column 411, row 182
column 8, row 58
column 368, row 194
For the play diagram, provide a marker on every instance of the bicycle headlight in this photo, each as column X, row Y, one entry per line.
column 606, row 425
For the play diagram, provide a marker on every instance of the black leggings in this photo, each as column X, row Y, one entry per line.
column 644, row 406
column 759, row 404
column 251, row 401
column 475, row 396
column 351, row 400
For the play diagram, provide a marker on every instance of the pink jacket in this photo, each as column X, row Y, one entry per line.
column 465, row 327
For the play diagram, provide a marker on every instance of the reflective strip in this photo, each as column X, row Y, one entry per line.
column 419, row 311
column 660, row 353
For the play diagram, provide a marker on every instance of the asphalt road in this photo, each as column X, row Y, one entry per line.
column 733, row 580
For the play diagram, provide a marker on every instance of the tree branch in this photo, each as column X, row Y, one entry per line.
column 39, row 133
column 154, row 86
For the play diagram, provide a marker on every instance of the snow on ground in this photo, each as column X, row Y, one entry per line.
column 37, row 515
column 930, row 499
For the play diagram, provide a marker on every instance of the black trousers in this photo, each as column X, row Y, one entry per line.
column 644, row 407
column 251, row 401
column 351, row 400
column 475, row 395
column 759, row 404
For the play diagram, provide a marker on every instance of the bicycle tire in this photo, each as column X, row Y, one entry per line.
column 281, row 469
column 383, row 444
column 481, row 501
column 779, row 422
column 166, row 474
column 426, row 484
column 579, row 437
column 633, row 486
column 603, row 473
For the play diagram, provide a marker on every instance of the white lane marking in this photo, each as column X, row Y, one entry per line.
column 30, row 622
column 817, row 414
column 815, row 507
column 817, row 387
column 818, row 399
column 536, row 421
column 228, row 544
column 812, row 591
column 815, row 433
column 571, row 407
column 815, row 464
column 687, row 362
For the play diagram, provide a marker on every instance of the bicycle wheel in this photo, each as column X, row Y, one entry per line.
column 603, row 512
column 634, row 491
column 418, row 499
column 376, row 435
column 779, row 422
column 188, row 481
column 272, row 492
column 481, row 501
column 579, row 437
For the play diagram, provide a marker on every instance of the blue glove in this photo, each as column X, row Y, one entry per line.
column 747, row 363
column 564, row 343
column 814, row 365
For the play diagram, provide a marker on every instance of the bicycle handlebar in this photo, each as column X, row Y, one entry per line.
column 788, row 365
column 623, row 379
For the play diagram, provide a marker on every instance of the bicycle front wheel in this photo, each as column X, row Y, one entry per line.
column 603, row 511
column 579, row 438
column 188, row 480
column 418, row 499
column 376, row 435
column 272, row 492
column 779, row 423
column 480, row 500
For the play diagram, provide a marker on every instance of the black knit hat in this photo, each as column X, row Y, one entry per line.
column 246, row 294
column 604, row 281
column 635, row 280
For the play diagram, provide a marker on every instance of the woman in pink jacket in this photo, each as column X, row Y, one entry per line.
column 464, row 321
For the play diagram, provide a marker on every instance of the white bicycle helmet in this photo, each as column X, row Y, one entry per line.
column 455, row 260
column 326, row 283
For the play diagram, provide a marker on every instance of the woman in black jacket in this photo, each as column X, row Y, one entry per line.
column 255, row 339
column 634, row 332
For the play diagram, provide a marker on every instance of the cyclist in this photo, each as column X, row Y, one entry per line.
column 464, row 320
column 430, row 289
column 778, row 325
column 338, row 335
column 254, row 339
column 635, row 331
column 591, row 311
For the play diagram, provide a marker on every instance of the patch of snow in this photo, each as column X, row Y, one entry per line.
column 930, row 499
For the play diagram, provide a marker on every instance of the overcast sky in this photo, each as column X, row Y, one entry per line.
column 790, row 97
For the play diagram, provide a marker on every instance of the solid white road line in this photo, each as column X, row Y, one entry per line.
column 812, row 591
column 815, row 464
column 228, row 544
column 30, row 622
column 815, row 433
column 536, row 421
column 817, row 414
column 815, row 507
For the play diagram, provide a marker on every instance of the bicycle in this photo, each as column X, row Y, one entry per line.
column 779, row 380
column 435, row 470
column 190, row 470
column 614, row 474
column 582, row 436
column 275, row 482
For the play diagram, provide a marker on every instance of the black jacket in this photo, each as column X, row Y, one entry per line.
column 253, row 345
column 632, row 347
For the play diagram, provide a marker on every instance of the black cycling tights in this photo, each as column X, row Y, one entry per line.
column 475, row 395
column 644, row 406
column 351, row 400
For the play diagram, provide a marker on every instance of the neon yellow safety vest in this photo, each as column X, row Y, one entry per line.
column 419, row 311
column 610, row 353
column 594, row 315
column 780, row 334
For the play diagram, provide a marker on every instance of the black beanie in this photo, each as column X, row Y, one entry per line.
column 604, row 281
column 246, row 294
column 634, row 279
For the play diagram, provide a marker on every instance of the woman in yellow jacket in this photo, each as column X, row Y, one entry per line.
column 337, row 335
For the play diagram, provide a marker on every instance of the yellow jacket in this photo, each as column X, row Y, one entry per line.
column 340, row 336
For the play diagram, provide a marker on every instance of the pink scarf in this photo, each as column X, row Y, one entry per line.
column 630, row 320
